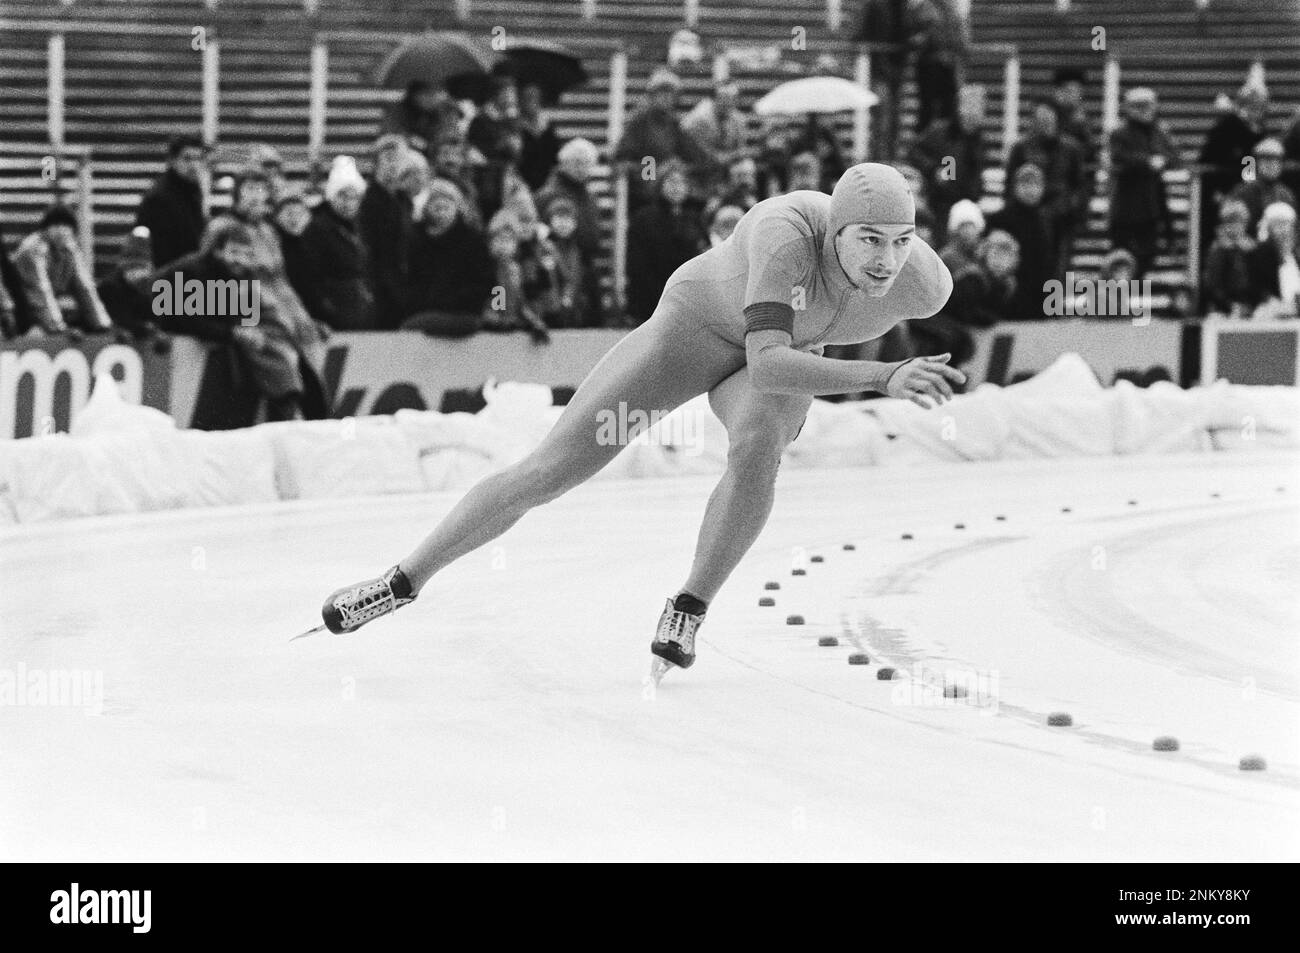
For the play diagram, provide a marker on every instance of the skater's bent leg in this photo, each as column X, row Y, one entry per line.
column 650, row 369
column 759, row 428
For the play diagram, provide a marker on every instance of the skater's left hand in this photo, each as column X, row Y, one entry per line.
column 925, row 381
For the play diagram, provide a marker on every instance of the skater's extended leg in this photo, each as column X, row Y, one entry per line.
column 656, row 367
column 759, row 428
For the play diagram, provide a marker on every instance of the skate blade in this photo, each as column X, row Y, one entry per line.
column 319, row 628
column 659, row 668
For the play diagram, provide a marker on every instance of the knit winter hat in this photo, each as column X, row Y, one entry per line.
column 962, row 212
column 871, row 193
column 1276, row 212
column 1269, row 147
column 343, row 175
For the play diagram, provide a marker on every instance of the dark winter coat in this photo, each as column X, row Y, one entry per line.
column 659, row 240
column 1028, row 225
column 1066, row 187
column 451, row 272
column 337, row 254
column 386, row 230
column 1137, row 191
column 172, row 210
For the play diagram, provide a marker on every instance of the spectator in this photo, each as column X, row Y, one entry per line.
column 814, row 137
column 741, row 186
column 251, row 204
column 541, row 146
column 1072, row 119
column 1066, row 193
column 569, row 180
column 512, row 306
column 723, row 222
column 15, row 311
column 1091, row 298
column 1273, row 267
column 1140, row 153
column 265, row 157
column 498, row 178
column 1291, row 144
column 965, row 229
column 453, row 164
column 385, row 225
column 654, row 133
column 950, row 155
column 774, row 160
column 124, row 290
column 228, row 252
column 451, row 273
column 290, row 218
column 172, row 209
column 1226, row 285
column 426, row 115
column 56, row 280
column 576, row 285
column 938, row 34
column 1023, row 218
column 986, row 294
column 338, row 255
column 805, row 173
column 497, row 121
column 717, row 125
column 660, row 238
column 1263, row 189
column 1229, row 142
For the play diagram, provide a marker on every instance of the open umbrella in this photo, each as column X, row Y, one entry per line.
column 434, row 58
column 548, row 65
column 816, row 94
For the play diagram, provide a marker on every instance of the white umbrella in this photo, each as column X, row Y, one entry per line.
column 816, row 94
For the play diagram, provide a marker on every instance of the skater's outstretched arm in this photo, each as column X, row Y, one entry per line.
column 775, row 367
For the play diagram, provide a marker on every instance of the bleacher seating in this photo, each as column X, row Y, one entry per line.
column 133, row 77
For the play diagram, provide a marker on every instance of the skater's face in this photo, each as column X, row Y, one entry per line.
column 873, row 255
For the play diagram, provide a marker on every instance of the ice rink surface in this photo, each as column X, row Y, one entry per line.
column 506, row 715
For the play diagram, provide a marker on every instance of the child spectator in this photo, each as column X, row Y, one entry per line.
column 1226, row 286
column 1023, row 219
column 510, row 307
column 56, row 279
column 965, row 228
column 1066, row 188
column 576, row 285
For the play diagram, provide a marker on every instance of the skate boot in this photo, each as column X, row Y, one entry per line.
column 350, row 608
column 674, row 642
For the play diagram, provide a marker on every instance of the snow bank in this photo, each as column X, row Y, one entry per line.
column 125, row 458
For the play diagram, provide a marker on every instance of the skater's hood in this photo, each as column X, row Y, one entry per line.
column 869, row 193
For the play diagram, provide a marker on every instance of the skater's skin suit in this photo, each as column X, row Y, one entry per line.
column 743, row 322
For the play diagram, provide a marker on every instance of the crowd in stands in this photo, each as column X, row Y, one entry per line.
column 455, row 225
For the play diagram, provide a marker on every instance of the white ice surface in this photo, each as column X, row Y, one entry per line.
column 504, row 714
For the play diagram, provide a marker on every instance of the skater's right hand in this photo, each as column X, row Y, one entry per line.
column 925, row 381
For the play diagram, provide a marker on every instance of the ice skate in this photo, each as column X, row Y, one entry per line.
column 674, row 642
column 350, row 608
